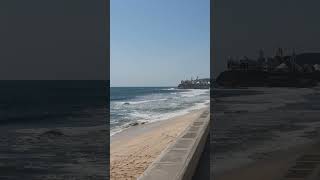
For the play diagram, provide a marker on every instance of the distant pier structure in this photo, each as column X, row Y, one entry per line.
column 195, row 84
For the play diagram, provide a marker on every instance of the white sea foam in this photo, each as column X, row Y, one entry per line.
column 144, row 101
column 170, row 89
column 120, row 104
column 116, row 130
column 148, row 117
column 194, row 92
column 156, row 107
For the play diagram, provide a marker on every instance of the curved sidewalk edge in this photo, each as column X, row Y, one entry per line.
column 180, row 159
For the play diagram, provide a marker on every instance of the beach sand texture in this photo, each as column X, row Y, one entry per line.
column 300, row 162
column 133, row 150
column 269, row 135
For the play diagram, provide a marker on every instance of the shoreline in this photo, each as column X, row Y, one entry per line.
column 134, row 124
column 135, row 148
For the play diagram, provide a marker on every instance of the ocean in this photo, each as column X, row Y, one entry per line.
column 59, row 126
column 53, row 103
column 138, row 105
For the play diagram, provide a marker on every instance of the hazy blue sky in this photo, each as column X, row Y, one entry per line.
column 159, row 42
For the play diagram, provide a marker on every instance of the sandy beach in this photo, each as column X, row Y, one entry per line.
column 285, row 164
column 266, row 134
column 134, row 149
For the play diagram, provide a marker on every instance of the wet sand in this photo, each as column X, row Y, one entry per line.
column 262, row 135
column 279, row 165
column 134, row 149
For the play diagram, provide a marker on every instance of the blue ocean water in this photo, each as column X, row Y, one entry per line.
column 149, row 104
column 53, row 103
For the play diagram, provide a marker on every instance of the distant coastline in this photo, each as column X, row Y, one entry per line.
column 302, row 70
column 195, row 84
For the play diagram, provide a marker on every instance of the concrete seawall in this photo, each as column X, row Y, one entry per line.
column 180, row 159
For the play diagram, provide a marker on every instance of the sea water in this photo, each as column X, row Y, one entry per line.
column 31, row 104
column 138, row 105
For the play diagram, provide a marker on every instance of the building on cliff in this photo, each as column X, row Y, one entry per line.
column 278, row 63
column 195, row 84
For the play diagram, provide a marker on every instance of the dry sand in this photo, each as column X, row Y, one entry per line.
column 134, row 149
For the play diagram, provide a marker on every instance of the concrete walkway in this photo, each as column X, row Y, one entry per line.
column 179, row 161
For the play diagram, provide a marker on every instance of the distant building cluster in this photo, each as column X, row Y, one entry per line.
column 278, row 63
column 195, row 83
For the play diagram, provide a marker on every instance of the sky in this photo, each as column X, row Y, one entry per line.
column 243, row 27
column 158, row 42
column 53, row 40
